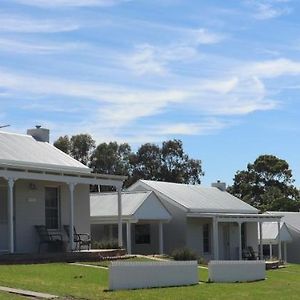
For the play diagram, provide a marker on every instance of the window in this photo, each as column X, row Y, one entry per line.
column 243, row 235
column 52, row 208
column 206, row 238
column 3, row 204
column 142, row 234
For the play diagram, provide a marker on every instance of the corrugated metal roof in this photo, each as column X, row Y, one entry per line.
column 24, row 150
column 106, row 204
column 197, row 198
column 270, row 232
column 290, row 218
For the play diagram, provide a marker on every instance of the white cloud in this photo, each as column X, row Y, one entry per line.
column 199, row 128
column 269, row 9
column 203, row 36
column 21, row 46
column 115, row 110
column 69, row 3
column 273, row 68
column 145, row 60
column 20, row 23
column 150, row 59
column 120, row 104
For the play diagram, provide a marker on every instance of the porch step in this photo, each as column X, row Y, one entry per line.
column 76, row 256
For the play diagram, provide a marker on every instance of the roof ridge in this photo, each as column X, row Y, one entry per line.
column 14, row 133
column 123, row 192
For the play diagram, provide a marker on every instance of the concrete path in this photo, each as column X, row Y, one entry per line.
column 163, row 259
column 89, row 266
column 27, row 293
column 202, row 267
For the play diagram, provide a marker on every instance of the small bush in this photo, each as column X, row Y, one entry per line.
column 202, row 261
column 105, row 244
column 184, row 254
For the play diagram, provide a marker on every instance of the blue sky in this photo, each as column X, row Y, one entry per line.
column 222, row 76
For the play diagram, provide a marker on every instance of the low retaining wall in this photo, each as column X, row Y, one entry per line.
column 136, row 275
column 236, row 271
column 76, row 256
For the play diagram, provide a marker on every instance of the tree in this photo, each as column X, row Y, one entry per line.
column 169, row 163
column 267, row 184
column 166, row 163
column 79, row 146
column 146, row 163
column 111, row 158
column 82, row 146
column 63, row 143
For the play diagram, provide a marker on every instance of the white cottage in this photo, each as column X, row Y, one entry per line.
column 208, row 220
column 41, row 185
column 289, row 236
column 144, row 216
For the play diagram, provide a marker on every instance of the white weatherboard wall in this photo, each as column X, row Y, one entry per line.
column 236, row 271
column 137, row 275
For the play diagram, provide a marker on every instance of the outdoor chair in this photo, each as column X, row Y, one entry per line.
column 80, row 239
column 49, row 238
column 249, row 254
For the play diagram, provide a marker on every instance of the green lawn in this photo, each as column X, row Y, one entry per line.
column 90, row 283
column 8, row 296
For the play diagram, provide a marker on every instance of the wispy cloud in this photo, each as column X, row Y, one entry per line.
column 273, row 68
column 149, row 59
column 36, row 46
column 25, row 24
column 203, row 36
column 118, row 106
column 69, row 3
column 269, row 9
column 189, row 128
column 154, row 59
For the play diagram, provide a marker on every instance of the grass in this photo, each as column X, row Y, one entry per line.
column 8, row 296
column 89, row 283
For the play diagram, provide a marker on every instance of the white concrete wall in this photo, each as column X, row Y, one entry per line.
column 30, row 211
column 236, row 271
column 137, row 275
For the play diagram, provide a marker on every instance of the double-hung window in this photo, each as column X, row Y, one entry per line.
column 206, row 238
column 142, row 234
column 3, row 205
column 52, row 205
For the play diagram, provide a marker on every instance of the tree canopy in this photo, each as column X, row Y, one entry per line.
column 167, row 162
column 79, row 146
column 267, row 184
column 111, row 158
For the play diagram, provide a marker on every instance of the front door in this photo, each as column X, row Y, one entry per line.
column 3, row 219
column 226, row 241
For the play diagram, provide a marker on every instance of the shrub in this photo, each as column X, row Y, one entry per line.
column 184, row 254
column 105, row 244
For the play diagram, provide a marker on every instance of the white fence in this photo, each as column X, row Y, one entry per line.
column 135, row 275
column 236, row 271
